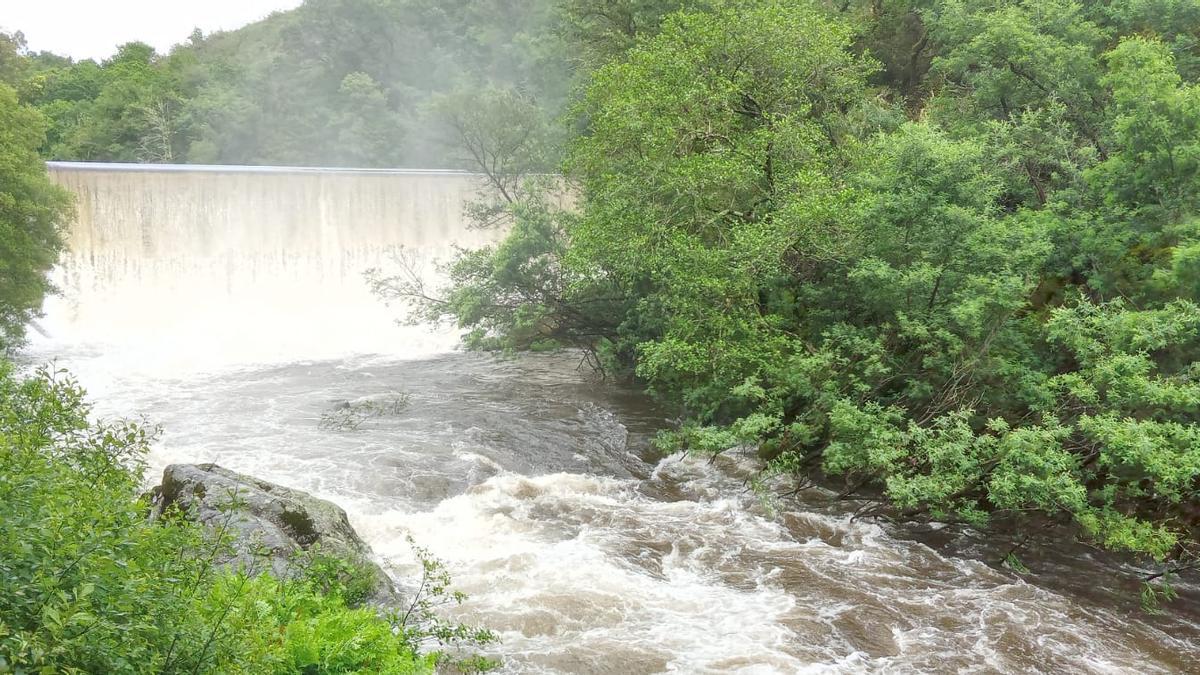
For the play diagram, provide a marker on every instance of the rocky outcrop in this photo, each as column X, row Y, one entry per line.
column 269, row 524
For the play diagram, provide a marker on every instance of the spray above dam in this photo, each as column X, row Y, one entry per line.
column 249, row 263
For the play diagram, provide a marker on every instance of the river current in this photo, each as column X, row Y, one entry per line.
column 536, row 483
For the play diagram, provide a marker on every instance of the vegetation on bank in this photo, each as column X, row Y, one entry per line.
column 32, row 210
column 88, row 584
column 942, row 253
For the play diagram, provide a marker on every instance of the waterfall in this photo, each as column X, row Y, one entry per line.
column 184, row 266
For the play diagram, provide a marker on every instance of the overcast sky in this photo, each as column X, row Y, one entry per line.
column 93, row 28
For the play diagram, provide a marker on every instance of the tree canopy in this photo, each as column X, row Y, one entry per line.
column 334, row 82
column 32, row 210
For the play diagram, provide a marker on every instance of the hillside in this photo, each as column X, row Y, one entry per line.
column 333, row 82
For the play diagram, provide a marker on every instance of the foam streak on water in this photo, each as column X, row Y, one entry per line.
column 229, row 308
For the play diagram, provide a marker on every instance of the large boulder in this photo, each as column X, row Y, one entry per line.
column 270, row 524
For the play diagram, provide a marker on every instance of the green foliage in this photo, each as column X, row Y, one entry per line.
column 1154, row 594
column 353, row 581
column 421, row 625
column 333, row 82
column 89, row 585
column 32, row 210
column 943, row 253
column 293, row 627
column 604, row 31
column 13, row 64
column 506, row 137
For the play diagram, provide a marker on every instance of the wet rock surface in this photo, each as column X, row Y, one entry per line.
column 269, row 524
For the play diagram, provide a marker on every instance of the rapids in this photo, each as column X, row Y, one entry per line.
column 535, row 482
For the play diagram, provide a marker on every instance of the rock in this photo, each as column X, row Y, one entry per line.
column 268, row 522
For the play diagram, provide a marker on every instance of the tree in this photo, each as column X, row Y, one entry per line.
column 698, row 141
column 333, row 82
column 13, row 62
column 366, row 129
column 604, row 30
column 32, row 213
column 505, row 136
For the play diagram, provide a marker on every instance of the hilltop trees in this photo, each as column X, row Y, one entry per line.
column 334, row 82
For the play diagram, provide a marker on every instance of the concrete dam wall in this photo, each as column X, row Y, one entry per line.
column 248, row 262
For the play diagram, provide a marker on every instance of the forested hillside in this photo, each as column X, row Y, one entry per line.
column 334, row 82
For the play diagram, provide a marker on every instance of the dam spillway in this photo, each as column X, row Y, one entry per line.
column 160, row 211
column 249, row 263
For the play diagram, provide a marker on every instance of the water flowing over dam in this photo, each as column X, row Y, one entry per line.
column 228, row 305
column 251, row 262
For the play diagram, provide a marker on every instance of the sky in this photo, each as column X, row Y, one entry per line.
column 86, row 29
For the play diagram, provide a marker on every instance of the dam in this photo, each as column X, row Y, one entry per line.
column 251, row 262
